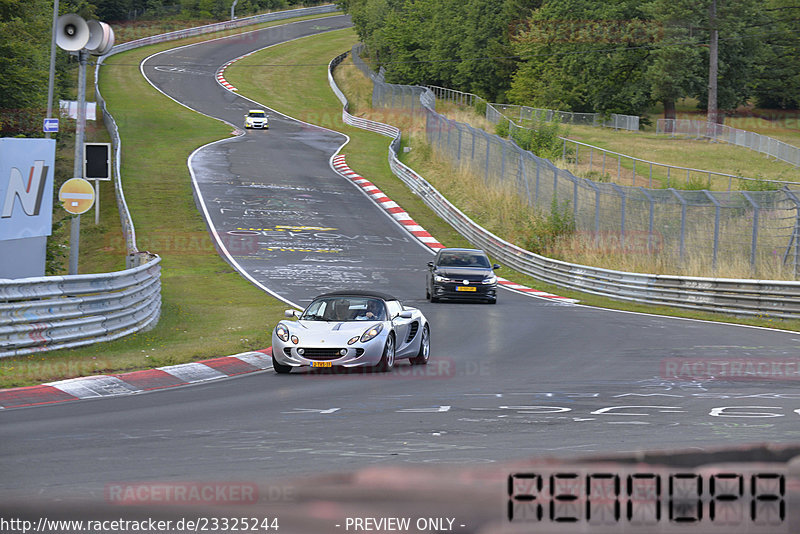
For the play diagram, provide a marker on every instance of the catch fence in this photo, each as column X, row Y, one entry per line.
column 702, row 228
column 735, row 136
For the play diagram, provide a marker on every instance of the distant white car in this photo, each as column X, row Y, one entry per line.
column 256, row 118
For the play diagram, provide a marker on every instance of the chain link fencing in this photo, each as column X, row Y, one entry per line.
column 592, row 159
column 707, row 228
column 735, row 136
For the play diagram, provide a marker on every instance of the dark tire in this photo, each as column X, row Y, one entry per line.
column 280, row 368
column 434, row 299
column 387, row 360
column 493, row 301
column 424, row 348
column 427, row 293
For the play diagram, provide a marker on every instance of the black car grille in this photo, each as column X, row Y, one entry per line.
column 412, row 331
column 321, row 354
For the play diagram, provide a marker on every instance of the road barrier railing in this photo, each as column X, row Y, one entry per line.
column 56, row 312
column 755, row 298
column 225, row 25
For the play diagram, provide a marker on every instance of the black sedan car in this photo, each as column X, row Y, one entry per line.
column 461, row 273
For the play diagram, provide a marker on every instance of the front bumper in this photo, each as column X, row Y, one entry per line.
column 257, row 125
column 357, row 356
column 457, row 291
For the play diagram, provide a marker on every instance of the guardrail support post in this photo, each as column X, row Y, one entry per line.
column 716, row 229
column 623, row 201
column 754, row 239
column 683, row 222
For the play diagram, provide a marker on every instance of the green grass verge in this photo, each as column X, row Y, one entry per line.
column 303, row 92
column 208, row 309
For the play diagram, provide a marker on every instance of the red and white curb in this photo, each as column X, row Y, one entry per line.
column 221, row 72
column 90, row 387
column 401, row 216
column 398, row 213
column 221, row 75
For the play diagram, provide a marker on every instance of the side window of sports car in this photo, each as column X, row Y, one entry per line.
column 394, row 308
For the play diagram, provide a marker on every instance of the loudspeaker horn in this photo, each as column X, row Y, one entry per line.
column 101, row 38
column 72, row 32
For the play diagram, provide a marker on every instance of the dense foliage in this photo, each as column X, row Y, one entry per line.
column 619, row 56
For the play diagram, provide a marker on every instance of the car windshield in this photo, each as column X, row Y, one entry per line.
column 258, row 114
column 463, row 259
column 345, row 309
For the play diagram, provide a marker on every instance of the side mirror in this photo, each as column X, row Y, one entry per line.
column 495, row 266
column 290, row 313
column 406, row 314
column 430, row 264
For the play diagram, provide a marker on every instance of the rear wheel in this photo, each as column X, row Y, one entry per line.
column 424, row 348
column 387, row 360
column 280, row 368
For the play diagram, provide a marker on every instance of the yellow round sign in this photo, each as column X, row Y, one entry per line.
column 77, row 195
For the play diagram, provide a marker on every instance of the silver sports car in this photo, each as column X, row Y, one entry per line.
column 351, row 329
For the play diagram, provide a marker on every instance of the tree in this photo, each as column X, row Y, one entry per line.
column 461, row 44
column 676, row 68
column 776, row 81
column 24, row 63
column 584, row 56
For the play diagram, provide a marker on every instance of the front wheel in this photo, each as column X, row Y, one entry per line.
column 280, row 368
column 424, row 348
column 387, row 360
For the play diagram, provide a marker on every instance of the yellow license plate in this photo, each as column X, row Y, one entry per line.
column 466, row 288
column 321, row 364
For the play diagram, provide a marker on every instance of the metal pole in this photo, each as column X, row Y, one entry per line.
column 77, row 169
column 96, row 202
column 716, row 229
column 51, row 81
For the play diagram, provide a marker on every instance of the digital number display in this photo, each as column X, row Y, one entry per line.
column 648, row 498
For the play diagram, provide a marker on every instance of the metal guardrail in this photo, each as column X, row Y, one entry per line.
column 735, row 136
column 225, row 25
column 771, row 298
column 57, row 312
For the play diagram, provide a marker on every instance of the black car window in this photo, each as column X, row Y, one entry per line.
column 463, row 259
column 479, row 260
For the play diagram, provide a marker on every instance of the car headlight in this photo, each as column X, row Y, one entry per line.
column 439, row 278
column 282, row 332
column 371, row 333
column 491, row 280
